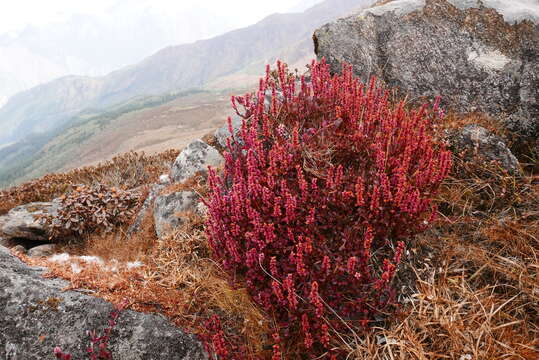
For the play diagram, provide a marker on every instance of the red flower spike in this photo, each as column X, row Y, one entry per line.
column 329, row 180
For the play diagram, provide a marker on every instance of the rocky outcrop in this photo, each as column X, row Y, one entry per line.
column 155, row 189
column 195, row 158
column 223, row 133
column 23, row 221
column 37, row 316
column 474, row 140
column 478, row 55
column 42, row 250
column 170, row 209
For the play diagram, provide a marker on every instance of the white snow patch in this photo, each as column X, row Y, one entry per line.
column 164, row 179
column 60, row 257
column 134, row 264
column 92, row 260
column 494, row 60
column 75, row 268
column 113, row 266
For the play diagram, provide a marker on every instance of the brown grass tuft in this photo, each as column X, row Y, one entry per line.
column 178, row 279
column 471, row 281
column 125, row 171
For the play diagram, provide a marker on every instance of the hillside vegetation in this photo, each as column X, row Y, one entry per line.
column 226, row 57
column 160, row 122
column 464, row 287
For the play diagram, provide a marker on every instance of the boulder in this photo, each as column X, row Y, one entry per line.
column 155, row 189
column 195, row 158
column 42, row 250
column 19, row 249
column 478, row 55
column 169, row 209
column 23, row 221
column 37, row 316
column 476, row 140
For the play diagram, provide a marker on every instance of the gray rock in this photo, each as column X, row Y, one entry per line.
column 22, row 221
column 19, row 249
column 154, row 191
column 42, row 250
column 195, row 158
column 168, row 210
column 472, row 53
column 476, row 140
column 37, row 316
column 201, row 209
column 223, row 133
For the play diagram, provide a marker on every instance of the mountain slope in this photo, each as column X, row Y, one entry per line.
column 90, row 43
column 171, row 69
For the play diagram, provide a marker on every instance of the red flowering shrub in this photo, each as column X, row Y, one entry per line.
column 314, row 202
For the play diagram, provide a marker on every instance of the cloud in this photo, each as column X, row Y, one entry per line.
column 20, row 13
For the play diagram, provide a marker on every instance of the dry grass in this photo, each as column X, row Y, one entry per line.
column 476, row 273
column 178, row 279
column 126, row 171
column 470, row 283
column 476, row 294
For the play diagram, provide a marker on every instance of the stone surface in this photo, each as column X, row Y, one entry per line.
column 155, row 189
column 22, row 221
column 201, row 209
column 168, row 210
column 477, row 57
column 195, row 158
column 223, row 133
column 19, row 249
column 42, row 250
column 476, row 140
column 37, row 316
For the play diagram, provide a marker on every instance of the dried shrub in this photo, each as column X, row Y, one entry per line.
column 91, row 209
column 124, row 171
column 314, row 203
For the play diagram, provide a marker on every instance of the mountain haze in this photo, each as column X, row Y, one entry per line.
column 219, row 61
column 88, row 44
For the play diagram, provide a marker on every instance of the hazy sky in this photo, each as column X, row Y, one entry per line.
column 16, row 14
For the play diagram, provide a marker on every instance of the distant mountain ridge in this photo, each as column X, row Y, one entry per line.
column 175, row 68
column 88, row 44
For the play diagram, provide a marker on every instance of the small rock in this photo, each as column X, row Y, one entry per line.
column 168, row 210
column 196, row 157
column 23, row 221
column 154, row 191
column 477, row 140
column 164, row 179
column 19, row 249
column 42, row 250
